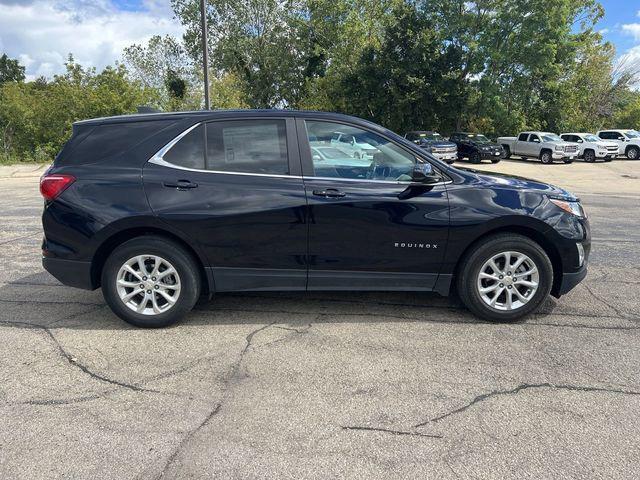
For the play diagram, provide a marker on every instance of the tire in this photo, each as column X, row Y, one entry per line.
column 495, row 160
column 608, row 159
column 633, row 153
column 589, row 156
column 507, row 152
column 468, row 282
column 567, row 160
column 546, row 157
column 475, row 158
column 183, row 286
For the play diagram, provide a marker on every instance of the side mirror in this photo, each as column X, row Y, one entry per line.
column 621, row 138
column 580, row 140
column 423, row 173
column 317, row 158
column 536, row 140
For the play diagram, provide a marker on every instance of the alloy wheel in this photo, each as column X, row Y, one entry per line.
column 148, row 284
column 508, row 280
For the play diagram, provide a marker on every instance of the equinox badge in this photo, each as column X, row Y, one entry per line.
column 415, row 245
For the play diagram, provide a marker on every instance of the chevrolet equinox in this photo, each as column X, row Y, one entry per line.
column 161, row 209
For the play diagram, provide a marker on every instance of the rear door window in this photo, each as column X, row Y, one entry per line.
column 247, row 146
column 234, row 146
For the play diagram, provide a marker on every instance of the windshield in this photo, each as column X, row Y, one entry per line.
column 551, row 137
column 477, row 138
column 591, row 138
column 431, row 137
column 632, row 134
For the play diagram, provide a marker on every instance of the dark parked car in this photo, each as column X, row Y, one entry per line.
column 160, row 210
column 476, row 147
column 435, row 144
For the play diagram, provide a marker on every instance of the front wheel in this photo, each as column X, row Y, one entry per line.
column 589, row 156
column 475, row 158
column 546, row 157
column 504, row 277
column 633, row 153
column 150, row 282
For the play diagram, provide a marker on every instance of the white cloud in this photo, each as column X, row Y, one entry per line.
column 632, row 29
column 41, row 33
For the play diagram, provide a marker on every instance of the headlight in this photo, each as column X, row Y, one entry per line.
column 573, row 208
column 559, row 148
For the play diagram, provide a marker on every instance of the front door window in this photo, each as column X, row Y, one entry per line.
column 366, row 156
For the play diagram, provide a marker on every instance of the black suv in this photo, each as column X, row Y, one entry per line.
column 162, row 209
column 476, row 147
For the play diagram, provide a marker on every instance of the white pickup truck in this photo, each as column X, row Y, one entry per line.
column 591, row 147
column 543, row 145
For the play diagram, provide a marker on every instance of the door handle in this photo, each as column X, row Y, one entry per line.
column 329, row 193
column 181, row 185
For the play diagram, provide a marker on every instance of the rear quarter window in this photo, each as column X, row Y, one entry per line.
column 91, row 144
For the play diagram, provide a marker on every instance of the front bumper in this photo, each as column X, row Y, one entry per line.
column 563, row 155
column 446, row 157
column 569, row 281
column 490, row 155
column 73, row 273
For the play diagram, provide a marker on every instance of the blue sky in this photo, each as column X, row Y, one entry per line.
column 40, row 33
column 619, row 13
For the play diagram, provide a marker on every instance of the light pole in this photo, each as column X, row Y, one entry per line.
column 205, row 55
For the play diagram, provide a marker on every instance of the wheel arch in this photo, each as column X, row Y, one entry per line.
column 545, row 149
column 529, row 232
column 110, row 243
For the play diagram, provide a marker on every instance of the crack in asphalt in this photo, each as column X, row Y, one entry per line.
column 392, row 432
column 446, row 322
column 71, row 360
column 522, row 387
column 231, row 375
column 606, row 303
column 20, row 238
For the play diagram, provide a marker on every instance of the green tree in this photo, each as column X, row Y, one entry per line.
column 37, row 116
column 10, row 70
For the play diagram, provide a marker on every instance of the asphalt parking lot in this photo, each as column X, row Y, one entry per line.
column 335, row 385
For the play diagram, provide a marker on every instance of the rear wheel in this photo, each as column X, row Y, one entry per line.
column 589, row 156
column 504, row 277
column 150, row 282
column 633, row 153
column 506, row 151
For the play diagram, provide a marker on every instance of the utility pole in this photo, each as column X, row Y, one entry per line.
column 205, row 54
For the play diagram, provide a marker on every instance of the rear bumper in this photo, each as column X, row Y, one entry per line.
column 73, row 273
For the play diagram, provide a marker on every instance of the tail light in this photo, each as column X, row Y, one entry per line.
column 51, row 186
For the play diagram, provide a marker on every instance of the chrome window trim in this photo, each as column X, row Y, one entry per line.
column 396, row 182
column 158, row 159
